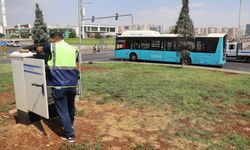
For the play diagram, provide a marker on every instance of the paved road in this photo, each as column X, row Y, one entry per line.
column 108, row 55
column 105, row 55
column 239, row 66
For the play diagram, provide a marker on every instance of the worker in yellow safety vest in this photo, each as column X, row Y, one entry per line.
column 62, row 77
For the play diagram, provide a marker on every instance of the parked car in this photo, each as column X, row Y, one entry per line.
column 16, row 43
column 10, row 43
column 13, row 43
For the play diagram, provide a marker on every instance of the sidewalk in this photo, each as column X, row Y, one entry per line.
column 88, row 49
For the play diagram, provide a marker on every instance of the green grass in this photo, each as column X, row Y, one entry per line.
column 146, row 146
column 190, row 93
column 7, row 106
column 5, row 85
column 199, row 95
column 185, row 89
column 231, row 141
column 90, row 41
column 246, row 114
column 238, row 141
column 5, row 77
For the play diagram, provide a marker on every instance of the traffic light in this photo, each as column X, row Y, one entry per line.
column 93, row 18
column 116, row 16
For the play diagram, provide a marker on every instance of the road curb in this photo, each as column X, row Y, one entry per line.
column 173, row 65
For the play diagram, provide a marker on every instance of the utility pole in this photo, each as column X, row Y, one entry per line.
column 239, row 32
column 80, row 19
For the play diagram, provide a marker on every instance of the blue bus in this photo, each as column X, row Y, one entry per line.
column 152, row 46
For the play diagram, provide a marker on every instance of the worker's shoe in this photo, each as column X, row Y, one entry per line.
column 70, row 139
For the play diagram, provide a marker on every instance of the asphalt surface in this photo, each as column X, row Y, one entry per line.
column 105, row 55
column 108, row 55
column 238, row 66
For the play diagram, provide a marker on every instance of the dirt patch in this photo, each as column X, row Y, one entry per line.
column 123, row 126
column 243, row 128
column 116, row 126
column 234, row 121
column 242, row 108
column 241, row 95
column 230, row 73
column 96, row 69
column 6, row 97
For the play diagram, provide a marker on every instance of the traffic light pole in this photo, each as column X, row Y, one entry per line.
column 116, row 17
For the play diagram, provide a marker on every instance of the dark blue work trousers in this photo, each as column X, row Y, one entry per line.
column 65, row 105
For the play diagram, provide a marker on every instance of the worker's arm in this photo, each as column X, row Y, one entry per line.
column 40, row 50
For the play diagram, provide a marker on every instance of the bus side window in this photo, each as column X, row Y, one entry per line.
column 145, row 45
column 134, row 45
column 163, row 45
column 169, row 45
column 210, row 45
column 199, row 46
column 156, row 45
column 175, row 46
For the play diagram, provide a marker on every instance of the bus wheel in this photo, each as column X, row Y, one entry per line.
column 187, row 61
column 133, row 57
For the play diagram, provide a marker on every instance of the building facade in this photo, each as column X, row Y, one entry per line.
column 19, row 31
column 247, row 30
column 92, row 30
column 158, row 28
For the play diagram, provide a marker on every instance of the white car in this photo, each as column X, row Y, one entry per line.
column 10, row 43
column 16, row 43
column 13, row 43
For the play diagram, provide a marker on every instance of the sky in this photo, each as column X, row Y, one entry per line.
column 204, row 13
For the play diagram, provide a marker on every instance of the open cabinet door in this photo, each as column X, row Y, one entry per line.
column 36, row 87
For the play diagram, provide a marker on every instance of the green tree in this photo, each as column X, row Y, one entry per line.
column 39, row 31
column 25, row 35
column 185, row 28
column 98, row 36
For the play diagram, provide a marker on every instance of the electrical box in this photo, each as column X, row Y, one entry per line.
column 32, row 96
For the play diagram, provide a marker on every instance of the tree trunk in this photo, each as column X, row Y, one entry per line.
column 183, row 58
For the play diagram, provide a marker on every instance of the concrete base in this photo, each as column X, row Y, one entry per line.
column 29, row 118
column 26, row 118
